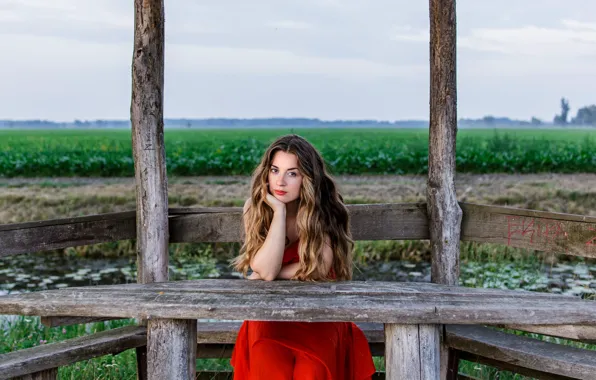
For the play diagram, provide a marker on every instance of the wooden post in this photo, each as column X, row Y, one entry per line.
column 443, row 210
column 166, row 358
column 171, row 356
column 411, row 352
column 410, row 349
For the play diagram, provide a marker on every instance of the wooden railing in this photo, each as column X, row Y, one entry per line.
column 535, row 230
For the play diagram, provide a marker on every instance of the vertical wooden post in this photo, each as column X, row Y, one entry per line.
column 172, row 357
column 410, row 349
column 166, row 358
column 412, row 352
column 443, row 210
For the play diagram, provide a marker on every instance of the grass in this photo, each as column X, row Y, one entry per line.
column 50, row 153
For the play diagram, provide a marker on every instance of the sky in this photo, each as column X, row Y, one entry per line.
column 329, row 59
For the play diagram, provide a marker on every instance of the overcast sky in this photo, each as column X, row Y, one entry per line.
column 331, row 59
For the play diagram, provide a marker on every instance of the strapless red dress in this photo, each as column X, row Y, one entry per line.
column 271, row 350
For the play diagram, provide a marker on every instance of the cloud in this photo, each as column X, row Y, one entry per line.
column 280, row 62
column 289, row 24
column 572, row 39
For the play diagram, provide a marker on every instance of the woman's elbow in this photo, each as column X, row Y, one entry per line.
column 268, row 277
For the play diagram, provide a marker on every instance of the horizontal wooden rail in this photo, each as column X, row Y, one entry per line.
column 44, row 357
column 534, row 230
column 513, row 352
column 382, row 302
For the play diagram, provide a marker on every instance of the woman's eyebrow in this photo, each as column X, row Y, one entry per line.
column 273, row 166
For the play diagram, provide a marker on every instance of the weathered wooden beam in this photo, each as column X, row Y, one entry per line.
column 444, row 212
column 520, row 351
column 382, row 302
column 411, row 352
column 586, row 334
column 368, row 222
column 519, row 228
column 146, row 112
column 171, row 349
column 46, row 357
column 18, row 238
column 48, row 374
column 532, row 230
column 68, row 321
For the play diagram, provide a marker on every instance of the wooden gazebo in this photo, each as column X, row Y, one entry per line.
column 421, row 329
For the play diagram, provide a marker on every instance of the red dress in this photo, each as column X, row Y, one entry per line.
column 271, row 350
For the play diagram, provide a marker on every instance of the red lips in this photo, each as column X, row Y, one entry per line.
column 279, row 192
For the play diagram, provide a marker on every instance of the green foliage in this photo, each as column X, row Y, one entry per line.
column 347, row 151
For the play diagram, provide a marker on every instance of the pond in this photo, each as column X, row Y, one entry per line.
column 40, row 271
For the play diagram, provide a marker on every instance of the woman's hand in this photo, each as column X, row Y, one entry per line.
column 275, row 203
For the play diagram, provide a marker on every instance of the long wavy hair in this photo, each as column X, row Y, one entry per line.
column 321, row 212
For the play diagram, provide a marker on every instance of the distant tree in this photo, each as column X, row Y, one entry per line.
column 536, row 121
column 562, row 118
column 585, row 116
column 489, row 119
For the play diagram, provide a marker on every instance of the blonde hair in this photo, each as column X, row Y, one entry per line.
column 321, row 214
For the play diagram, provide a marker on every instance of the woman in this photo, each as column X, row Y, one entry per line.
column 296, row 227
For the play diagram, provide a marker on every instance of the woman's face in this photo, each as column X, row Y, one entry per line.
column 284, row 177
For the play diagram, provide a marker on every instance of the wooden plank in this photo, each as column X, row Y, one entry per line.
column 61, row 233
column 412, row 352
column 368, row 222
column 48, row 374
column 48, row 356
column 524, row 352
column 511, row 367
column 171, row 349
column 68, row 321
column 409, row 303
column 533, row 230
column 586, row 334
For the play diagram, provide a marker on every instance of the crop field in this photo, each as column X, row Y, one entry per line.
column 197, row 152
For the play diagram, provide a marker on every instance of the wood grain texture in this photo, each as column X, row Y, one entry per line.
column 586, row 334
column 535, row 230
column 382, row 302
column 444, row 212
column 171, row 349
column 68, row 321
column 411, row 352
column 146, row 113
column 19, row 238
column 541, row 231
column 48, row 374
column 533, row 374
column 48, row 356
column 524, row 352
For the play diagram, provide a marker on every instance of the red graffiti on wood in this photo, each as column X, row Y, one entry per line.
column 592, row 242
column 536, row 231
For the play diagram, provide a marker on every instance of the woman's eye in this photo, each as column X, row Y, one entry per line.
column 292, row 174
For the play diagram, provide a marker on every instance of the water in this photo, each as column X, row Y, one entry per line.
column 41, row 271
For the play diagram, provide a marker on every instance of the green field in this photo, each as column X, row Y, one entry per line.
column 107, row 153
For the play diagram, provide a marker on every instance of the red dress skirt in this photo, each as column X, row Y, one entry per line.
column 271, row 350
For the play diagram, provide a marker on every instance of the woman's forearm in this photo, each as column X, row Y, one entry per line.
column 288, row 271
column 268, row 259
